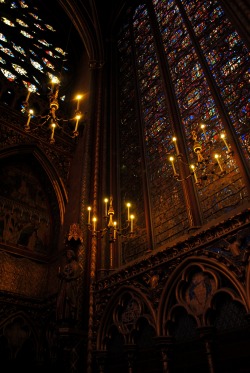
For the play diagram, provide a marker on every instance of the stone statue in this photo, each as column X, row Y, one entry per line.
column 66, row 307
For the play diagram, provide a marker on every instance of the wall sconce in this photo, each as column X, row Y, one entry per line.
column 111, row 226
column 51, row 119
column 209, row 160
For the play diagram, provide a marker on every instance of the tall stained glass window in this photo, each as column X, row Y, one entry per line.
column 184, row 72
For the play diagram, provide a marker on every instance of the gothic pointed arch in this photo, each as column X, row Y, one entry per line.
column 33, row 198
column 127, row 311
column 195, row 294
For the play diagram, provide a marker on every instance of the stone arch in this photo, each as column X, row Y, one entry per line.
column 193, row 286
column 18, row 339
column 123, row 314
column 51, row 185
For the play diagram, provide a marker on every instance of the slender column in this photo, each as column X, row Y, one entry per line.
column 207, row 336
column 166, row 347
column 96, row 121
column 100, row 359
column 130, row 350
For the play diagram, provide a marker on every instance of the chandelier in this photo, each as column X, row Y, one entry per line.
column 51, row 120
column 211, row 157
column 111, row 226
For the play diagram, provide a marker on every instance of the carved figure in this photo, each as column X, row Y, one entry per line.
column 66, row 310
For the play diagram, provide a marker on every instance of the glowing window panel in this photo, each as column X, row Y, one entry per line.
column 44, row 42
column 25, row 19
column 38, row 46
column 21, row 23
column 196, row 102
column 26, row 34
column 36, row 65
column 50, row 53
column 53, row 78
column 3, row 38
column 60, row 50
column 30, row 86
column 33, row 53
column 38, row 26
column 8, row 22
column 6, row 50
column 23, row 4
column 48, row 64
column 229, row 63
column 36, row 80
column 35, row 16
column 19, row 49
column 2, row 60
column 11, row 77
column 50, row 28
column 19, row 69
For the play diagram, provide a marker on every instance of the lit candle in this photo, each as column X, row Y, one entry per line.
column 53, row 126
column 78, row 98
column 115, row 229
column 89, row 209
column 28, row 95
column 54, row 81
column 176, row 146
column 27, row 125
column 106, row 206
column 217, row 157
column 172, row 162
column 94, row 224
column 128, row 206
column 223, row 136
column 203, row 130
column 77, row 122
column 131, row 227
column 195, row 176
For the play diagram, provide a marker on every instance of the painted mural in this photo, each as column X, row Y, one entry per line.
column 24, row 208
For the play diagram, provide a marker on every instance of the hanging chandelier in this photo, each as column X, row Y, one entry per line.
column 51, row 120
column 212, row 158
column 111, row 226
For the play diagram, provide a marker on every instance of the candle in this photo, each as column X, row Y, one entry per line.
column 106, row 206
column 53, row 126
column 28, row 95
column 131, row 227
column 176, row 146
column 217, row 157
column 128, row 206
column 27, row 125
column 94, row 224
column 225, row 141
column 115, row 229
column 203, row 130
column 77, row 121
column 89, row 209
column 172, row 162
column 78, row 98
column 195, row 176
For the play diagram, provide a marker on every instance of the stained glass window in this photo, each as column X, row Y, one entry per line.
column 184, row 69
column 25, row 33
